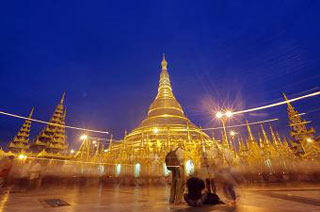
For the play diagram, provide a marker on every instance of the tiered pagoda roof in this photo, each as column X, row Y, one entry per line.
column 52, row 138
column 166, row 116
column 303, row 138
column 20, row 141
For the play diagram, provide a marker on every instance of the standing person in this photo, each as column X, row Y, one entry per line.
column 174, row 163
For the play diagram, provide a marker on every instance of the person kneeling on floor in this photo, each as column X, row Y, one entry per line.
column 196, row 195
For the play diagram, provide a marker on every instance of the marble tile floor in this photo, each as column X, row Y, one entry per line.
column 154, row 198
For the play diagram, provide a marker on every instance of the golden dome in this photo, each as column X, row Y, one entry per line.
column 165, row 112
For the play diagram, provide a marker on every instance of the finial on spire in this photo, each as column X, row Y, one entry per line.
column 62, row 98
column 31, row 113
column 164, row 62
column 285, row 96
column 65, row 113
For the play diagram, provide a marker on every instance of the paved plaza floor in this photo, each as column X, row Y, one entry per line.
column 117, row 198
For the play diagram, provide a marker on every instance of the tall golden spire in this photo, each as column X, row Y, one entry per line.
column 164, row 89
column 251, row 138
column 290, row 107
column 265, row 137
column 275, row 141
column 110, row 142
column 20, row 141
column 165, row 108
column 164, row 62
column 261, row 141
column 62, row 98
column 303, row 137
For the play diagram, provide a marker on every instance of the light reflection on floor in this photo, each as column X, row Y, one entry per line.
column 154, row 198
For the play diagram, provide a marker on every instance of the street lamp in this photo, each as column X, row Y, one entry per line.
column 219, row 115
column 223, row 117
column 229, row 114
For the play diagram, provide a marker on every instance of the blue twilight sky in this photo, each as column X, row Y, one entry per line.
column 106, row 55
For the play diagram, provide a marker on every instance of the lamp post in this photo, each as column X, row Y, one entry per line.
column 223, row 117
column 85, row 147
column 232, row 136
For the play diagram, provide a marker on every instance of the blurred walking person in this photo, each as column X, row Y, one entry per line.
column 174, row 162
column 227, row 181
column 6, row 165
column 35, row 175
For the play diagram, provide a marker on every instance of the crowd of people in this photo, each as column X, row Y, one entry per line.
column 12, row 173
column 203, row 185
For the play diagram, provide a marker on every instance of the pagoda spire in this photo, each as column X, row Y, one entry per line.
column 241, row 147
column 302, row 136
column 62, row 98
column 20, row 141
column 224, row 140
column 261, row 141
column 52, row 137
column 165, row 108
column 275, row 141
column 213, row 137
column 164, row 62
column 110, row 142
column 164, row 89
column 250, row 138
column 265, row 137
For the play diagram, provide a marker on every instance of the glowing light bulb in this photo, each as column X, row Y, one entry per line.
column 83, row 137
column 219, row 115
column 155, row 130
column 309, row 140
column 229, row 114
column 233, row 133
column 72, row 151
column 22, row 156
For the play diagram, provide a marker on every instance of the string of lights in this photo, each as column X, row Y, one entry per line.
column 242, row 125
column 53, row 124
column 276, row 104
column 233, row 113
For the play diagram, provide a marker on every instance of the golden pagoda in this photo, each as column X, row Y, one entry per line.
column 254, row 151
column 303, row 138
column 52, row 138
column 165, row 127
column 20, row 142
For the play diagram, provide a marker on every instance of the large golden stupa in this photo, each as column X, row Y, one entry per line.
column 166, row 122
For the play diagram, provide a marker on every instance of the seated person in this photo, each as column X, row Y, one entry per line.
column 195, row 196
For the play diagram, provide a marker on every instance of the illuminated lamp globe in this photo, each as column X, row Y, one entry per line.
column 219, row 115
column 229, row 113
column 233, row 133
